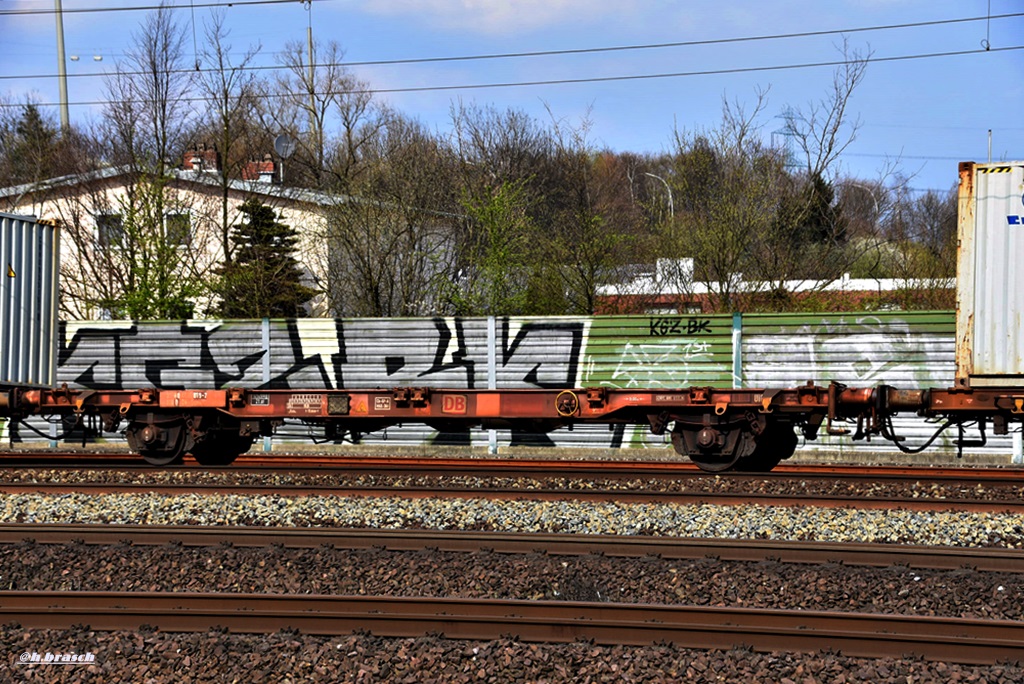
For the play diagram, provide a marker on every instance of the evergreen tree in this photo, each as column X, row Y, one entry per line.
column 263, row 279
column 29, row 147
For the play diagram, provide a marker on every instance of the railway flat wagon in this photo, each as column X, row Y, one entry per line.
column 719, row 428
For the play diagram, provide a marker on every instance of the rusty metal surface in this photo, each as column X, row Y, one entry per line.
column 990, row 282
column 753, row 550
column 717, row 428
column 550, row 465
column 475, row 407
column 855, row 634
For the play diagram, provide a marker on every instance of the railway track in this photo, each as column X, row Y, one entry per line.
column 518, row 467
column 750, row 550
column 948, row 639
column 720, row 498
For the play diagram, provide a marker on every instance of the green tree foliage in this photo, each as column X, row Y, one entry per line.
column 594, row 237
column 495, row 280
column 263, row 279
column 35, row 144
column 809, row 215
column 148, row 259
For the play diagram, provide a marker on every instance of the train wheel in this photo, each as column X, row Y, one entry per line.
column 160, row 443
column 713, row 446
column 776, row 443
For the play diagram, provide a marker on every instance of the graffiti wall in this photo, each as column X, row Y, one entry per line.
column 906, row 349
column 909, row 349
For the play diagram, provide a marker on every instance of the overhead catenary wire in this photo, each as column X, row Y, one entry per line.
column 569, row 51
column 574, row 81
column 139, row 8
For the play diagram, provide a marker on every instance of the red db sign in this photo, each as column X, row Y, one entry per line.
column 453, row 403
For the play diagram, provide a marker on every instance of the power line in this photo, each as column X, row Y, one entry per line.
column 138, row 8
column 682, row 74
column 687, row 43
column 576, row 81
column 565, row 52
column 918, row 127
column 918, row 157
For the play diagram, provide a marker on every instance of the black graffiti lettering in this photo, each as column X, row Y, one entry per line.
column 660, row 327
column 540, row 354
column 696, row 326
column 307, row 369
column 454, row 347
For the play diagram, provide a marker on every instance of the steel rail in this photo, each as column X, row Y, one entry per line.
column 853, row 634
column 522, row 494
column 541, row 466
column 988, row 559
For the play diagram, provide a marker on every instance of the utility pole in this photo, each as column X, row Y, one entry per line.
column 62, row 76
column 313, row 128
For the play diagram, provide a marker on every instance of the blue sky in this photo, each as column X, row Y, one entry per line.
column 923, row 115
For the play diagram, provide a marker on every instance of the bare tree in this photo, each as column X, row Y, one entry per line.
column 593, row 235
column 148, row 115
column 921, row 248
column 232, row 91
column 390, row 241
column 570, row 207
column 144, row 257
column 726, row 184
column 823, row 129
column 311, row 96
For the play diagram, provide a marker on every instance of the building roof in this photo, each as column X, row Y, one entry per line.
column 205, row 178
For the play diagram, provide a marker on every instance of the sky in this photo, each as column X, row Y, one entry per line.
column 918, row 116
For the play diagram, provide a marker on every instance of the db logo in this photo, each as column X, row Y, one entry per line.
column 453, row 403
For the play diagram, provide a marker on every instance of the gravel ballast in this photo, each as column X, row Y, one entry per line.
column 705, row 582
column 751, row 521
column 159, row 658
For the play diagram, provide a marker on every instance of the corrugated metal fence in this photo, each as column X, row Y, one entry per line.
column 907, row 349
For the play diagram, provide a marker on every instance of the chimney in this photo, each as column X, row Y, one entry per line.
column 260, row 171
column 201, row 157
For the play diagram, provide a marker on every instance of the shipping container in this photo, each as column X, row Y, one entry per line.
column 990, row 275
column 30, row 259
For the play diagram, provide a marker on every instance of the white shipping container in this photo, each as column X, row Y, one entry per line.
column 30, row 263
column 990, row 275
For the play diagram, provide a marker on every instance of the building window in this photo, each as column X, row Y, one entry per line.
column 178, row 229
column 109, row 231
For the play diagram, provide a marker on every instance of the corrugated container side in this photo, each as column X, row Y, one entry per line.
column 990, row 278
column 30, row 259
column 906, row 349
